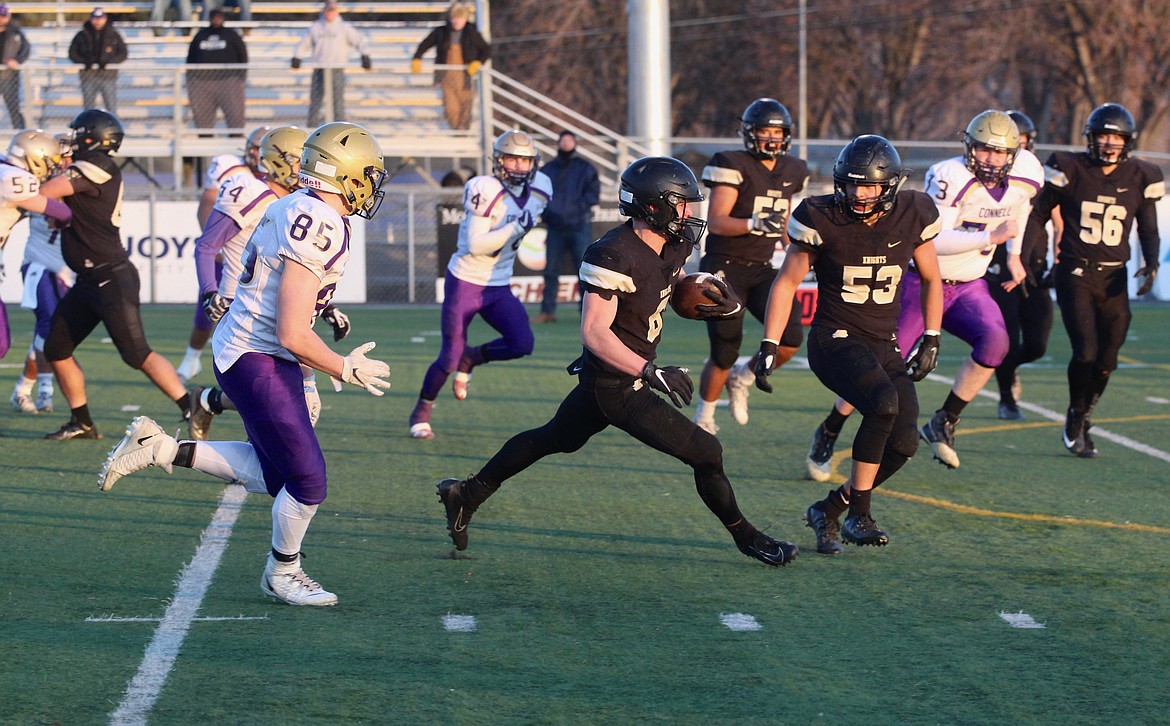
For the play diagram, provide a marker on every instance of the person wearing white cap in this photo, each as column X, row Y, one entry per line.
column 96, row 46
column 14, row 50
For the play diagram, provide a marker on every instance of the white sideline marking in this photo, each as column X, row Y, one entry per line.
column 1059, row 417
column 168, row 638
column 1021, row 620
column 116, row 619
column 459, row 623
column 1157, row 399
column 417, row 339
column 740, row 621
column 131, row 408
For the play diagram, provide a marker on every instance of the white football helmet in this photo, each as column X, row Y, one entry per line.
column 36, row 152
column 280, row 155
column 518, row 144
column 344, row 158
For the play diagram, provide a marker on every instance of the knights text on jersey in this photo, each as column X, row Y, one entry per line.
column 620, row 264
column 16, row 185
column 859, row 268
column 244, row 198
column 970, row 211
column 1099, row 209
column 94, row 238
column 760, row 190
column 301, row 229
column 489, row 207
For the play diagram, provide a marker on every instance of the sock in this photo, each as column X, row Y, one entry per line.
column 834, row 422
column 24, row 386
column 192, row 355
column 953, row 407
column 835, row 504
column 290, row 522
column 232, row 461
column 81, row 415
column 705, row 410
column 184, row 405
column 741, row 530
column 45, row 383
column 859, row 503
column 1080, row 384
column 212, row 400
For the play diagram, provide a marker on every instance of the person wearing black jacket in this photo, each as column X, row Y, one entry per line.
column 14, row 50
column 221, row 88
column 96, row 46
column 457, row 43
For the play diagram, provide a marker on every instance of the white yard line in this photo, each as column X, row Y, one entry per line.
column 459, row 623
column 740, row 621
column 196, row 577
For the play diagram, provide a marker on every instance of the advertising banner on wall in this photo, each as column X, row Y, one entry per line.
column 170, row 276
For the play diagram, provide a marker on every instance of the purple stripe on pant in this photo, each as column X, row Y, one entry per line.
column 269, row 393
column 498, row 307
column 969, row 313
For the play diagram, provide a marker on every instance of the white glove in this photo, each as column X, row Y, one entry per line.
column 365, row 372
column 312, row 400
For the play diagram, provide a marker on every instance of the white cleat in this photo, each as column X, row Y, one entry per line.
column 739, row 385
column 189, row 368
column 421, row 431
column 45, row 401
column 22, row 402
column 708, row 425
column 288, row 583
column 145, row 444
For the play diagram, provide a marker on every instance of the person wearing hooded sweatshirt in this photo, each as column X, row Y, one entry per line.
column 95, row 47
column 327, row 44
column 14, row 50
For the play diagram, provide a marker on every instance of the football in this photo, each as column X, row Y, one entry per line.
column 688, row 294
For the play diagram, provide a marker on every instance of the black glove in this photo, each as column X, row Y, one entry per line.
column 296, row 63
column 366, row 62
column 923, row 357
column 1145, row 278
column 671, row 380
column 765, row 362
column 215, row 305
column 768, row 222
column 339, row 321
column 724, row 303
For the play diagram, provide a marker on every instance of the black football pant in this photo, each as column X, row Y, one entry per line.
column 1029, row 323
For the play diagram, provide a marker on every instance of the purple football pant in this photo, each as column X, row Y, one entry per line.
column 50, row 290
column 5, row 333
column 269, row 393
column 969, row 313
column 498, row 307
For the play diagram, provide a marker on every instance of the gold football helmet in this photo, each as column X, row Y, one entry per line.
column 252, row 147
column 344, row 158
column 518, row 144
column 36, row 152
column 280, row 155
column 991, row 130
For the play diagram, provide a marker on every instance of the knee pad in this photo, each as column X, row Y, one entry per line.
column 903, row 441
column 990, row 350
column 726, row 338
column 58, row 347
column 136, row 356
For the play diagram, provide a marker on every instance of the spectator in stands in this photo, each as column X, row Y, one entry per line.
column 220, row 88
column 327, row 45
column 96, row 46
column 457, row 43
column 211, row 6
column 576, row 189
column 159, row 12
column 14, row 49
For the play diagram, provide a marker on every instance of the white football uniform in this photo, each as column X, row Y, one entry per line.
column 299, row 228
column 221, row 168
column 42, row 255
column 244, row 198
column 487, row 238
column 16, row 185
column 969, row 211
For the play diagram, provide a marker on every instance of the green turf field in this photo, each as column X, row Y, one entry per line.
column 600, row 589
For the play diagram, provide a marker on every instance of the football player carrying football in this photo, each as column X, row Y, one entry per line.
column 627, row 277
column 1100, row 193
column 751, row 194
column 860, row 239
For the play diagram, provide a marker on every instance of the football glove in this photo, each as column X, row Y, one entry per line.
column 671, row 380
column 923, row 356
column 768, row 222
column 312, row 400
column 339, row 321
column 215, row 305
column 765, row 362
column 1145, row 277
column 366, row 372
column 723, row 305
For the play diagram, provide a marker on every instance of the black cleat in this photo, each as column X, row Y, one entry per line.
column 1090, row 450
column 862, row 530
column 767, row 550
column 939, row 432
column 1073, row 434
column 1010, row 411
column 458, row 514
column 74, row 430
column 826, row 528
column 818, row 463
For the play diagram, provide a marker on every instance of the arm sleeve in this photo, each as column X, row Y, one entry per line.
column 119, row 53
column 953, row 241
column 306, row 45
column 428, row 42
column 1147, row 228
column 483, row 240
column 25, row 48
column 241, row 49
column 483, row 49
column 220, row 228
column 75, row 54
column 357, row 39
column 592, row 192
